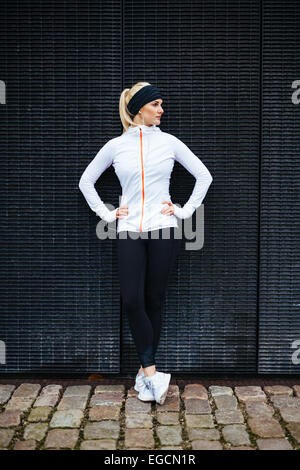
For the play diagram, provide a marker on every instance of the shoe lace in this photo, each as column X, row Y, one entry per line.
column 148, row 385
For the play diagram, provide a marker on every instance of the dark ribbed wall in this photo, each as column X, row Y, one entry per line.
column 279, row 294
column 225, row 71
column 62, row 67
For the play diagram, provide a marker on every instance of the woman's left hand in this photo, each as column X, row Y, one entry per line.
column 168, row 210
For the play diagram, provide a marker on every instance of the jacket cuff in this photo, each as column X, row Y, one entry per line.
column 106, row 214
column 189, row 209
column 183, row 212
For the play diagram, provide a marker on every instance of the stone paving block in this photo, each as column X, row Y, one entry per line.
column 62, row 438
column 229, row 417
column 194, row 405
column 278, row 390
column 201, row 433
column 294, row 429
column 194, row 391
column 226, row 402
column 6, row 436
column 49, row 396
column 77, row 391
column 66, row 419
column 250, row 392
column 296, row 389
column 102, row 430
column 27, row 390
column 116, row 388
column 199, row 421
column 139, row 420
column 173, row 390
column 241, row 448
column 51, row 389
column 6, row 391
column 99, row 444
column 72, row 403
column 10, row 418
column 284, row 402
column 40, row 413
column 168, row 417
column 258, row 408
column 140, row 448
column 107, row 398
column 290, row 415
column 206, row 445
column 172, row 403
column 265, row 427
column 139, row 438
column 171, row 448
column 137, row 406
column 132, row 393
column 25, row 445
column 19, row 403
column 98, row 413
column 169, row 435
column 46, row 400
column 36, row 431
column 218, row 390
column 236, row 434
column 273, row 444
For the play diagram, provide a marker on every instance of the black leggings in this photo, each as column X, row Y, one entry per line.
column 144, row 266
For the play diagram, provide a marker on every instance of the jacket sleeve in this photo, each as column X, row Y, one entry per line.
column 96, row 167
column 195, row 166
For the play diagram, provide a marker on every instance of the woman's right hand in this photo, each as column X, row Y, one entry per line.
column 122, row 210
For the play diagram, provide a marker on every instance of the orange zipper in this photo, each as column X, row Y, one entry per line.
column 143, row 188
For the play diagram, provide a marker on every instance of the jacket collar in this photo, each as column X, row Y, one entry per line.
column 145, row 129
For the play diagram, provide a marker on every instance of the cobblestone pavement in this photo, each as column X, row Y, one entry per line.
column 95, row 417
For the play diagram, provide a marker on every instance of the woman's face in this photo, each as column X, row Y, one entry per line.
column 151, row 112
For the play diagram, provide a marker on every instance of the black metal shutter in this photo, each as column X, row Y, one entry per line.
column 205, row 59
column 224, row 70
column 59, row 286
column 279, row 319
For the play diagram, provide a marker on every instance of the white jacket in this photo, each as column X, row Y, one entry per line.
column 143, row 159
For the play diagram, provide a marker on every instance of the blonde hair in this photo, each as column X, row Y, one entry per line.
column 126, row 95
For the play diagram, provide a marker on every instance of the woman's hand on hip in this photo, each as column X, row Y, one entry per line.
column 168, row 210
column 122, row 210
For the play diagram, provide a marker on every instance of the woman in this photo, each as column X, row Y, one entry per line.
column 143, row 158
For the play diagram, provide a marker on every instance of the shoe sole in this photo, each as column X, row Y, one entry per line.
column 162, row 398
column 149, row 399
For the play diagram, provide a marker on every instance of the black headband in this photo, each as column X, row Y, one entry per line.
column 144, row 95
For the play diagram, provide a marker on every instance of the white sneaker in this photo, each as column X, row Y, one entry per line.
column 144, row 393
column 158, row 384
column 139, row 382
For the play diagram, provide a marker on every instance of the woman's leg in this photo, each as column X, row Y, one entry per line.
column 162, row 254
column 150, row 310
column 132, row 261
